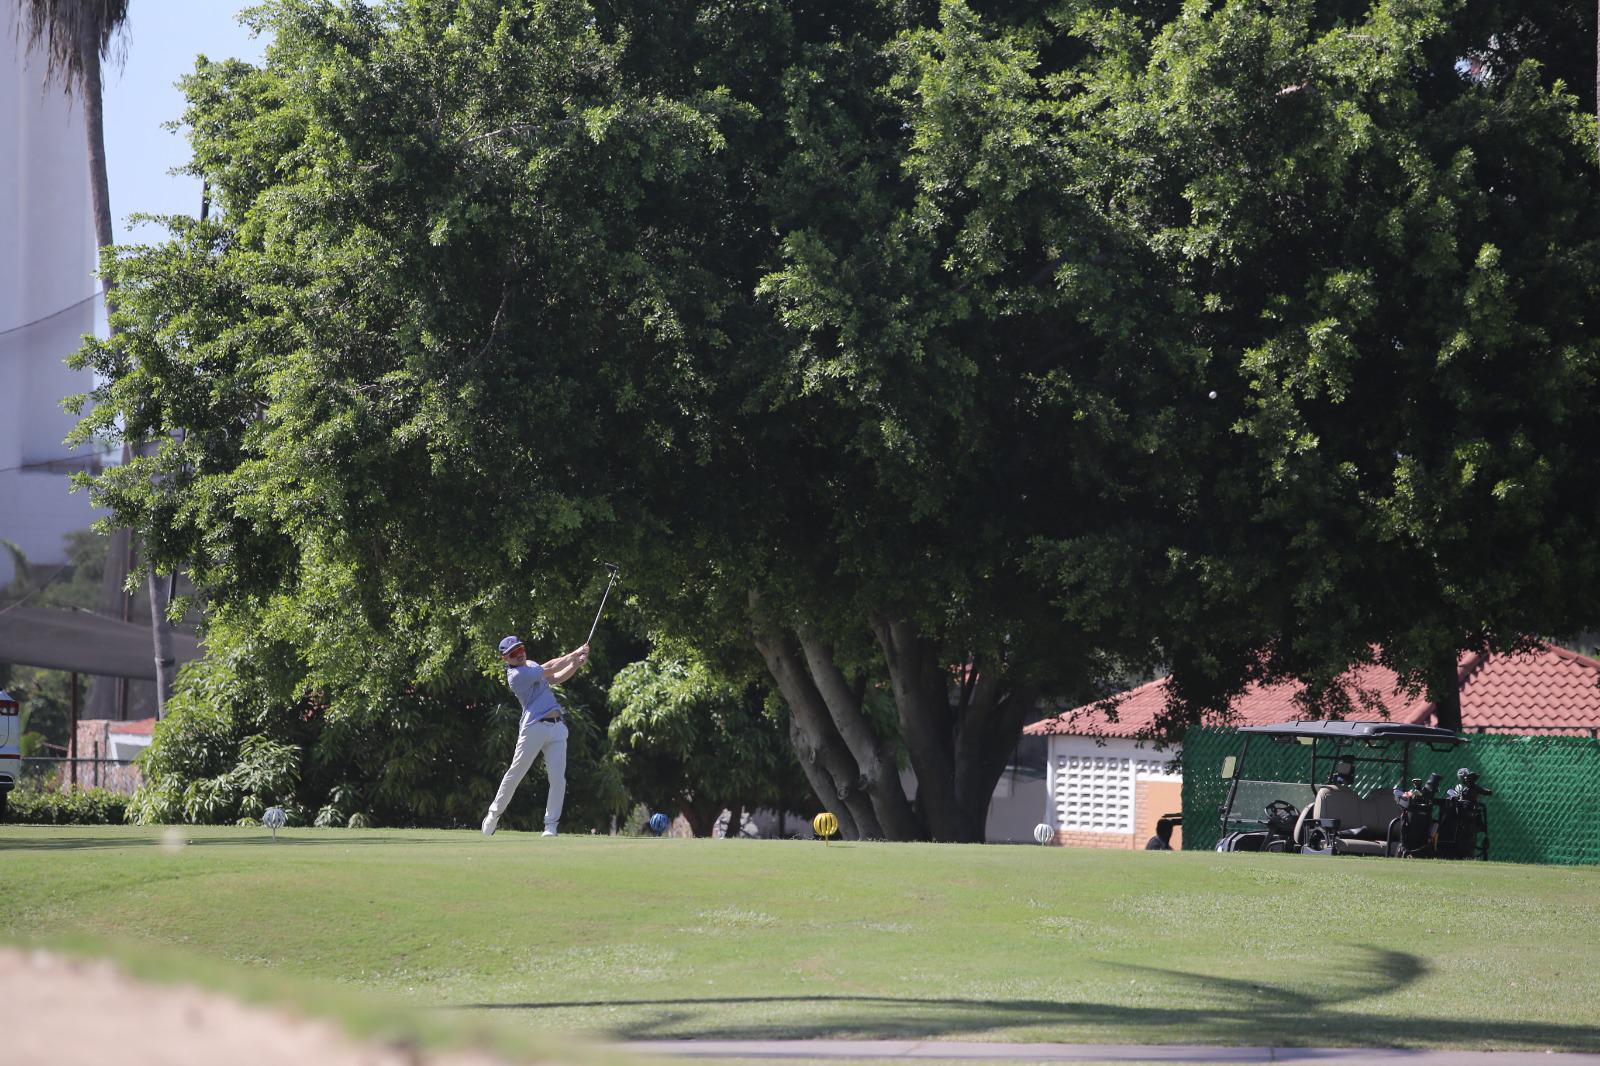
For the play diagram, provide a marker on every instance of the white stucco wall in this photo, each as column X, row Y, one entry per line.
column 1019, row 804
column 48, row 299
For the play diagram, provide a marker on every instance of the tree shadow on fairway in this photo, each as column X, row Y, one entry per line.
column 1346, row 1008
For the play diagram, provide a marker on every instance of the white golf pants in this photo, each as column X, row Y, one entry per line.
column 549, row 739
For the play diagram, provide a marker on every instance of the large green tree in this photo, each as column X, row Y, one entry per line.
column 1380, row 223
column 875, row 340
column 499, row 285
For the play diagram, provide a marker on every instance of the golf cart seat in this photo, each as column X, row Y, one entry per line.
column 1341, row 804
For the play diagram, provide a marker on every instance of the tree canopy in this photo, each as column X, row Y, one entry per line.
column 877, row 341
column 1382, row 229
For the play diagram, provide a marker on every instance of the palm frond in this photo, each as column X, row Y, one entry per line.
column 19, row 564
column 69, row 31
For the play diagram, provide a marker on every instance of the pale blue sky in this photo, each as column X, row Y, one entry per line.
column 162, row 39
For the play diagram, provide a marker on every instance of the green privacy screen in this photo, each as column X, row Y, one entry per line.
column 1546, row 806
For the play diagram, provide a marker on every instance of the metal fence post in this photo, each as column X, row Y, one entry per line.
column 72, row 750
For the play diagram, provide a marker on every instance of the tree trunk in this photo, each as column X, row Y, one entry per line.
column 985, row 739
column 841, row 774
column 100, row 198
column 880, row 775
column 161, row 640
column 922, row 698
column 94, row 129
column 821, row 783
column 702, row 818
column 958, row 753
column 735, row 820
column 113, row 593
column 113, row 604
column 1445, row 691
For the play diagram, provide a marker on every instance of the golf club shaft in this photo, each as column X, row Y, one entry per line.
column 602, row 608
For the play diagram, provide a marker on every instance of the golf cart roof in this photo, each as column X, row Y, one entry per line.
column 1334, row 727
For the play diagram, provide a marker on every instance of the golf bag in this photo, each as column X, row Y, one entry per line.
column 1416, row 816
column 1452, row 826
column 1463, row 830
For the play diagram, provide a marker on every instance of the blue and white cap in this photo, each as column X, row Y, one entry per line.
column 507, row 644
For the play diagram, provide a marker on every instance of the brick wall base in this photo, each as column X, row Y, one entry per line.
column 1079, row 839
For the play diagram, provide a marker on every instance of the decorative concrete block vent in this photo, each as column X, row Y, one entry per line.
column 1094, row 793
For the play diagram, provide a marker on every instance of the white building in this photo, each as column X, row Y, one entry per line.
column 1106, row 786
column 49, row 298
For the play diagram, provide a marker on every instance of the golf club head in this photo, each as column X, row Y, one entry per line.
column 613, row 568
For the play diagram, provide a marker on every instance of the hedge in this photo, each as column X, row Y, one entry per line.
column 70, row 806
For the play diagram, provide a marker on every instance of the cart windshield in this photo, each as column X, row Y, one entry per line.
column 1250, row 799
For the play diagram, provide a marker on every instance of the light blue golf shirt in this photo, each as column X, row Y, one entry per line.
column 532, row 691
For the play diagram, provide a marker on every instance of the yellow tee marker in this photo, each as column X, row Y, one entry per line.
column 825, row 825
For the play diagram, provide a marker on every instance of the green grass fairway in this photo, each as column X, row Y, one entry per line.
column 627, row 938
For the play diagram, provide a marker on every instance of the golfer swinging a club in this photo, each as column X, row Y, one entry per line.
column 543, row 729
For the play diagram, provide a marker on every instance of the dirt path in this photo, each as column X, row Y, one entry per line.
column 61, row 1011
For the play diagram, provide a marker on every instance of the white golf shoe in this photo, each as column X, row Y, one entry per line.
column 490, row 824
column 549, row 833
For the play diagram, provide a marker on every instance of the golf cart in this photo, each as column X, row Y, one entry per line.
column 10, row 750
column 1325, row 813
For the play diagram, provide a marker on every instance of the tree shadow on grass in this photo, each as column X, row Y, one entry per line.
column 1347, row 1010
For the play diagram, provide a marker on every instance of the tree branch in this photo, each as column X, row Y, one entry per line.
column 811, row 713
column 879, row 774
column 821, row 784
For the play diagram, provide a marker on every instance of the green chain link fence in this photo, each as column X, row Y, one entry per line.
column 1546, row 806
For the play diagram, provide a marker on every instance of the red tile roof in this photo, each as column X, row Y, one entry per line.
column 1546, row 691
column 134, row 727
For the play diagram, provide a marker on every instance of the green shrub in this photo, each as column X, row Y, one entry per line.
column 242, row 734
column 70, row 806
